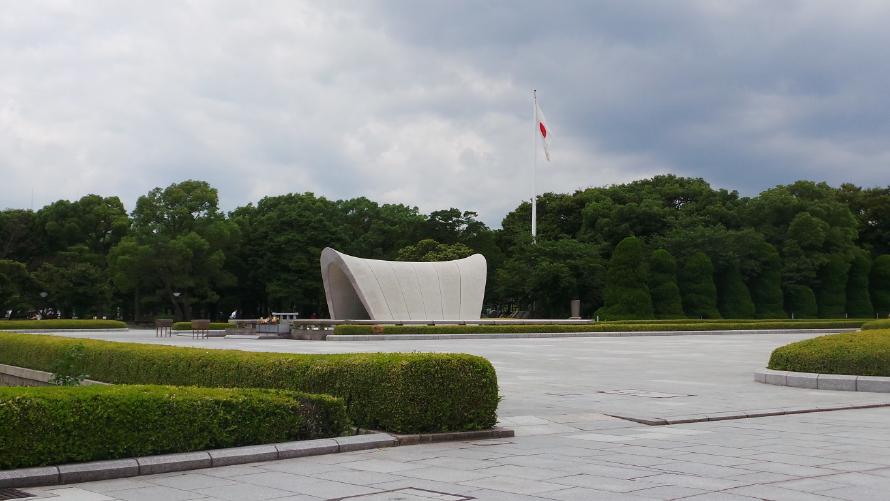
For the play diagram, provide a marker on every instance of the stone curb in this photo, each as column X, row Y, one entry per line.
column 120, row 468
column 535, row 335
column 837, row 382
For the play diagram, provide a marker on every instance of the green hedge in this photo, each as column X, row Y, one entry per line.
column 865, row 353
column 62, row 324
column 214, row 326
column 54, row 425
column 876, row 324
column 398, row 392
column 598, row 327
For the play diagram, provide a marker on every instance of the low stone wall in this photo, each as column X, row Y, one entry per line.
column 11, row 375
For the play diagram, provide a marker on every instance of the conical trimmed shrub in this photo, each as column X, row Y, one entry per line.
column 832, row 297
column 733, row 297
column 697, row 289
column 800, row 301
column 663, row 285
column 766, row 287
column 880, row 285
column 626, row 294
column 858, row 298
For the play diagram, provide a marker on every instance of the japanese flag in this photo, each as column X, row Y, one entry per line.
column 543, row 129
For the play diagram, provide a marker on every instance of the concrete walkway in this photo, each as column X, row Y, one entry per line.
column 557, row 394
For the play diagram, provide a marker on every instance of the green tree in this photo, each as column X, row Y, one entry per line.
column 766, row 285
column 96, row 223
column 872, row 210
column 696, row 280
column 880, row 285
column 19, row 238
column 278, row 261
column 75, row 284
column 626, row 295
column 376, row 231
column 182, row 239
column 663, row 286
column 546, row 276
column 733, row 296
column 131, row 272
column 16, row 287
column 807, row 222
column 800, row 301
column 431, row 250
column 858, row 299
column 832, row 297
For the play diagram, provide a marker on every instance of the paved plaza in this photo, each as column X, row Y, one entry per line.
column 560, row 395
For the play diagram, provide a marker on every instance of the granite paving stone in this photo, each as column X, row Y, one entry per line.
column 560, row 391
column 156, row 492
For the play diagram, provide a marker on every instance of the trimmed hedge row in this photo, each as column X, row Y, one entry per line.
column 398, row 392
column 876, row 324
column 54, row 425
column 865, row 353
column 851, row 321
column 214, row 326
column 62, row 324
column 598, row 327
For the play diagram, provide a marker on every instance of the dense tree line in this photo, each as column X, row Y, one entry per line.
column 666, row 247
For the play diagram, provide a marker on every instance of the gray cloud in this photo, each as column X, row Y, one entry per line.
column 427, row 103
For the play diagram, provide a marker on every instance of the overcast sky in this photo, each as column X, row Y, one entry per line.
column 429, row 103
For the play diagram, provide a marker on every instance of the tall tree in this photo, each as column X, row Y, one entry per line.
column 832, row 296
column 880, row 285
column 187, row 238
column 546, row 276
column 626, row 295
column 766, row 286
column 800, row 301
column 858, row 299
column 17, row 288
column 663, row 286
column 430, row 250
column 19, row 238
column 696, row 279
column 733, row 297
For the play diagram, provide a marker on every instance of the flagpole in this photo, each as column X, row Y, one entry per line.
column 535, row 167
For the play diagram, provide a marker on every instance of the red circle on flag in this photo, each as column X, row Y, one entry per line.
column 543, row 129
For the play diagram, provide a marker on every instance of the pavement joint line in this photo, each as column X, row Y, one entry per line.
column 545, row 335
column 184, row 461
column 656, row 421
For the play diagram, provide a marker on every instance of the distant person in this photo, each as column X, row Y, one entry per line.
column 233, row 315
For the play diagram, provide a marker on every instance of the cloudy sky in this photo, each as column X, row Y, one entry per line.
column 429, row 103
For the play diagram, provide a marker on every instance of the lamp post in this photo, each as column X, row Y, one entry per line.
column 43, row 295
column 176, row 298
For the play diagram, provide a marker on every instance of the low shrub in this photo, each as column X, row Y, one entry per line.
column 398, row 392
column 61, row 324
column 597, row 327
column 865, row 353
column 214, row 326
column 53, row 425
column 876, row 324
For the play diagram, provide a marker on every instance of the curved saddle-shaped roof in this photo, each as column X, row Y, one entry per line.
column 372, row 289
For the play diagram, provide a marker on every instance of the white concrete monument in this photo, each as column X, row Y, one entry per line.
column 359, row 289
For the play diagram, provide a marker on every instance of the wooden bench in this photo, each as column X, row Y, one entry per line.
column 200, row 328
column 163, row 327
